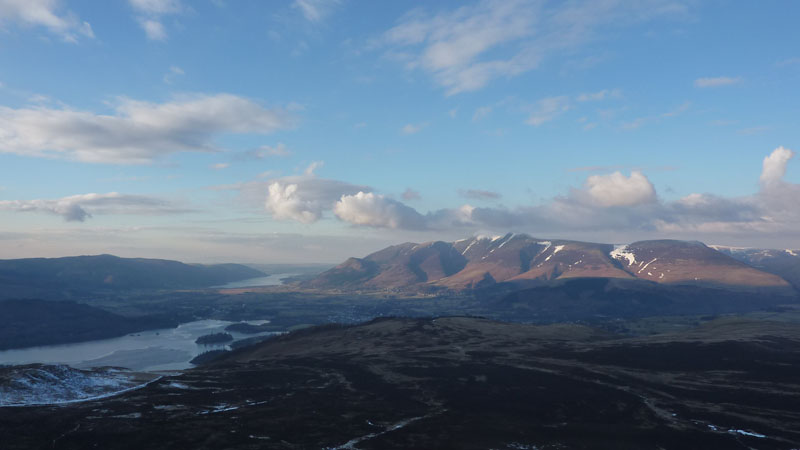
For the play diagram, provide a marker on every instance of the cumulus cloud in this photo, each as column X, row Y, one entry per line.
column 467, row 47
column 138, row 132
column 305, row 198
column 149, row 14
column 605, row 205
column 78, row 208
column 774, row 167
column 618, row 190
column 375, row 210
column 716, row 82
column 45, row 13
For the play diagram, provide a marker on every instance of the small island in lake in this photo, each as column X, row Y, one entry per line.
column 215, row 338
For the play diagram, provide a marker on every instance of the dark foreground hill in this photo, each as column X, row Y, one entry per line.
column 29, row 322
column 32, row 276
column 462, row 383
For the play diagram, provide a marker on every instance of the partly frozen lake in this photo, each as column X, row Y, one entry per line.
column 165, row 349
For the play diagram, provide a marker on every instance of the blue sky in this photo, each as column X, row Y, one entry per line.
column 313, row 130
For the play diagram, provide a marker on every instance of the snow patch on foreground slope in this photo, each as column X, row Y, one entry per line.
column 58, row 384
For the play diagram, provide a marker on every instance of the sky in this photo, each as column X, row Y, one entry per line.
column 313, row 130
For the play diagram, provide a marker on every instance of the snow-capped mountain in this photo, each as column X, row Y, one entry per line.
column 518, row 258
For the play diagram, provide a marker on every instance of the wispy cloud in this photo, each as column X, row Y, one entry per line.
column 548, row 109
column 716, row 82
column 48, row 14
column 138, row 132
column 414, row 128
column 788, row 62
column 479, row 194
column 172, row 74
column 410, row 194
column 640, row 121
column 149, row 15
column 78, row 208
column 468, row 47
column 264, row 152
column 599, row 95
column 315, row 10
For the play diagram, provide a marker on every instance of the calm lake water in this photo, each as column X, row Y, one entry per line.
column 271, row 280
column 166, row 349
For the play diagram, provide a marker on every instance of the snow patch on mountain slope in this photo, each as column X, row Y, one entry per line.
column 648, row 263
column 621, row 252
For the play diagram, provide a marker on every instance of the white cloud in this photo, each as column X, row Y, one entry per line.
column 305, row 198
column 313, row 167
column 466, row 48
column 618, row 190
column 138, row 132
column 220, row 166
column 412, row 128
column 627, row 207
column 315, row 10
column 285, row 203
column 150, row 13
column 78, row 208
column 716, row 82
column 774, row 167
column 153, row 29
column 548, row 109
column 45, row 13
column 374, row 210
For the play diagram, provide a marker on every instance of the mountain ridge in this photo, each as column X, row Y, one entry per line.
column 524, row 260
column 29, row 276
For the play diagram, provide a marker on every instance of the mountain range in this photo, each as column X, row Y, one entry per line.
column 525, row 261
column 32, row 277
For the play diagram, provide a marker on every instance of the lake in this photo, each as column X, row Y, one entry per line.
column 165, row 349
column 270, row 280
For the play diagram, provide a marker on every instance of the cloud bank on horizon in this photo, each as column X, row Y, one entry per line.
column 584, row 119
column 605, row 202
